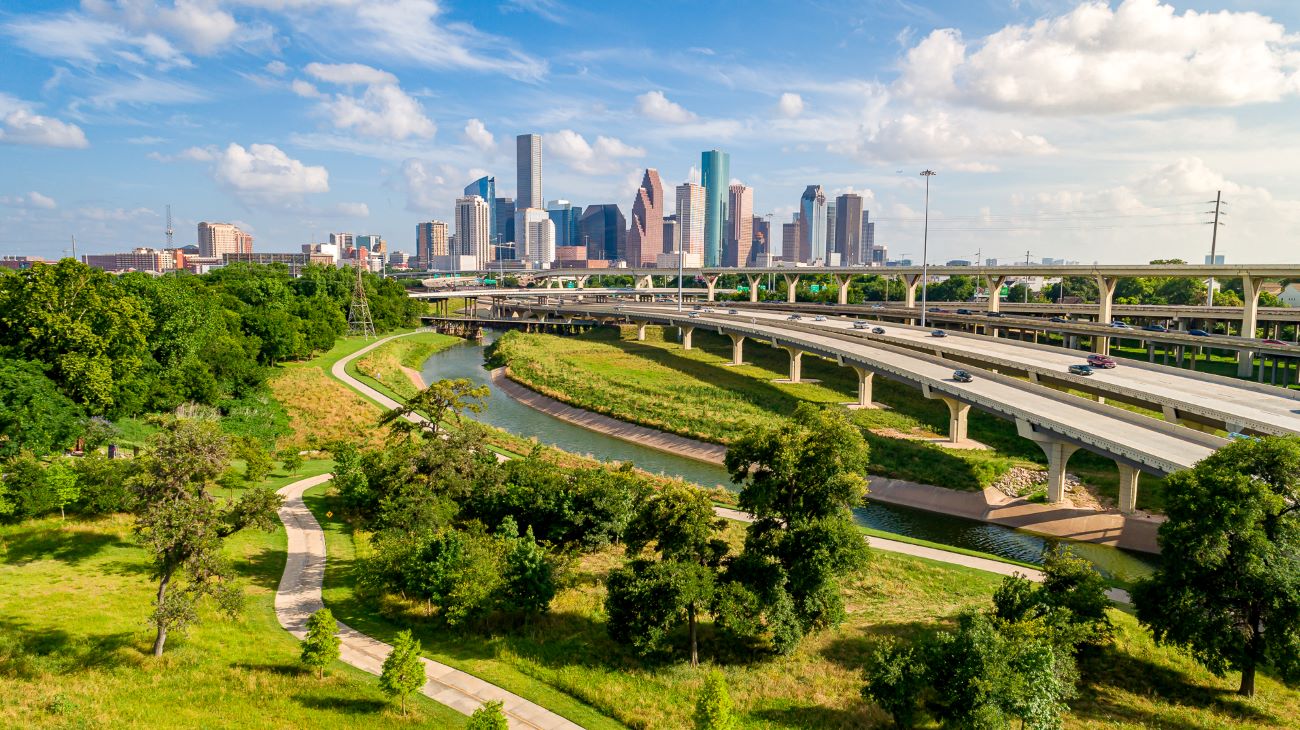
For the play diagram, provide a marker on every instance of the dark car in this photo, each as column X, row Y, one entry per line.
column 1198, row 333
column 995, row 314
column 1155, row 328
column 1080, row 370
column 1271, row 341
column 964, row 311
column 1120, row 325
column 794, row 317
column 877, row 330
column 938, row 333
column 938, row 310
column 1060, row 320
column 1101, row 361
column 961, row 376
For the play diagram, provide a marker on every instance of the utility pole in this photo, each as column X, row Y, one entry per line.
column 1214, row 240
column 1026, row 285
column 925, row 244
column 74, row 247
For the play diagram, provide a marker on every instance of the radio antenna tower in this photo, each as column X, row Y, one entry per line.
column 359, row 321
column 170, row 231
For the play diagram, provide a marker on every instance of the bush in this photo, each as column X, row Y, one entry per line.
column 713, row 709
column 488, row 717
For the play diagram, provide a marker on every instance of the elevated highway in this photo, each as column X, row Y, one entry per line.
column 1059, row 422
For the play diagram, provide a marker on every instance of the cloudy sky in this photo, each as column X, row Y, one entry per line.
column 1094, row 131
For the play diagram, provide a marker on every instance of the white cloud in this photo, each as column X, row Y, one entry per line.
column 478, row 135
column 351, row 210
column 115, row 214
column 658, row 107
column 76, row 37
column 264, row 171
column 304, row 89
column 383, row 110
column 349, row 74
column 790, row 105
column 19, row 125
column 600, row 158
column 30, row 200
column 1141, row 56
column 940, row 136
column 277, row 68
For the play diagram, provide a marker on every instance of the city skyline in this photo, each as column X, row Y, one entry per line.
column 239, row 117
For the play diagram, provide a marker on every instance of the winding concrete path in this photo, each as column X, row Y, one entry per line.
column 299, row 596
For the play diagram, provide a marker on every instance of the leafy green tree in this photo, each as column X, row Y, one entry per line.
column 403, row 672
column 713, row 708
column 1071, row 600
column 291, row 459
column 104, row 484
column 440, row 401
column 62, row 482
column 321, row 644
column 257, row 463
column 897, row 680
column 488, row 717
column 34, row 415
column 183, row 528
column 29, row 492
column 647, row 599
column 529, row 576
column 1228, row 589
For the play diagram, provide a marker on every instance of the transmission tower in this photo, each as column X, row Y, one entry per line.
column 170, row 231
column 359, row 321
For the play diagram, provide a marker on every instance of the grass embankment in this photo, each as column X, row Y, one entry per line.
column 566, row 661
column 396, row 364
column 75, row 644
column 696, row 394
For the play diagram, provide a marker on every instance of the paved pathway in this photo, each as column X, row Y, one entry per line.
column 299, row 596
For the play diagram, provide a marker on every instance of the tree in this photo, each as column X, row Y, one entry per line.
column 321, row 645
column 182, row 526
column 1228, row 589
column 488, row 717
column 442, row 399
column 713, row 708
column 291, row 459
column 34, row 415
column 257, row 463
column 62, row 483
column 896, row 680
column 647, row 599
column 529, row 576
column 403, row 672
column 1071, row 600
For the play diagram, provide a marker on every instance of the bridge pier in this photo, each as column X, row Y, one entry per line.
column 754, row 279
column 712, row 282
column 909, row 286
column 1058, row 455
column 1249, row 322
column 737, row 349
column 958, row 414
column 995, row 291
column 644, row 282
column 640, row 332
column 796, row 365
column 791, row 286
column 842, row 283
column 687, row 331
column 582, row 282
column 1105, row 298
column 865, row 380
column 1128, row 488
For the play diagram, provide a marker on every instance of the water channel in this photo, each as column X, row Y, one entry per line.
column 502, row 411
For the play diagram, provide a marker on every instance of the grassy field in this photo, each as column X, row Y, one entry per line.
column 74, row 642
column 566, row 662
column 322, row 409
column 393, row 363
column 696, row 393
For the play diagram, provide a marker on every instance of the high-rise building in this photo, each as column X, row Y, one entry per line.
column 762, row 238
column 790, row 241
column 868, row 238
column 812, row 225
column 740, row 226
column 603, row 230
column 692, row 219
column 345, row 241
column 565, row 216
column 372, row 243
column 715, row 170
column 528, row 167
column 486, row 188
column 430, row 241
column 219, row 238
column 504, row 224
column 528, row 245
column 832, row 247
column 671, row 232
column 645, row 238
column 848, row 230
column 473, row 227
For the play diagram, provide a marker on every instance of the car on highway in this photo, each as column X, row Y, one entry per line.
column 1271, row 341
column 994, row 314
column 938, row 310
column 697, row 307
column 877, row 306
column 1155, row 328
column 1080, row 369
column 694, row 315
column 733, row 311
column 1198, row 333
column 819, row 318
column 961, row 376
column 1060, row 320
column 964, row 311
column 860, row 325
column 1101, row 361
column 1120, row 325
column 794, row 317
column 938, row 333
column 877, row 330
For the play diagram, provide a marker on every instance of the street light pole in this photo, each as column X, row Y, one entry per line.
column 925, row 244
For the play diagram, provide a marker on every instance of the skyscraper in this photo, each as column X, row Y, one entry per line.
column 528, row 166
column 504, row 225
column 472, row 230
column 790, row 241
column 534, row 243
column 692, row 217
column 486, row 188
column 868, row 238
column 645, row 238
column 603, row 230
column 812, row 225
column 762, row 238
column 430, row 241
column 740, row 226
column 848, row 229
column 832, row 246
column 218, row 238
column 671, row 233
column 715, row 169
column 565, row 216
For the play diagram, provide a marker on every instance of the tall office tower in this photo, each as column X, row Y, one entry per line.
column 790, row 241
column 345, row 241
column 218, row 238
column 715, row 170
column 565, row 216
column 473, row 226
column 503, row 225
column 832, row 246
column 812, row 224
column 372, row 243
column 528, row 167
column 645, row 237
column 740, row 226
column 671, row 232
column 692, row 219
column 430, row 241
column 603, row 230
column 528, row 247
column 762, row 238
column 868, row 238
column 848, row 230
column 879, row 254
column 486, row 188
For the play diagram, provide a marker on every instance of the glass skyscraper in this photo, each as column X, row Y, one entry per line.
column 715, row 169
column 812, row 225
column 486, row 188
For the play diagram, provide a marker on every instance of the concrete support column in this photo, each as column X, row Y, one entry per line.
column 842, row 283
column 866, row 378
column 791, row 286
column 737, row 349
column 909, row 284
column 1105, row 297
column 644, row 282
column 1128, row 488
column 712, row 282
column 640, row 332
column 582, row 282
column 995, row 292
column 958, row 414
column 687, row 331
column 796, row 364
column 754, row 280
column 1249, row 321
column 1058, row 456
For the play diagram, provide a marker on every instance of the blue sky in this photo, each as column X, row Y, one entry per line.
column 1084, row 130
